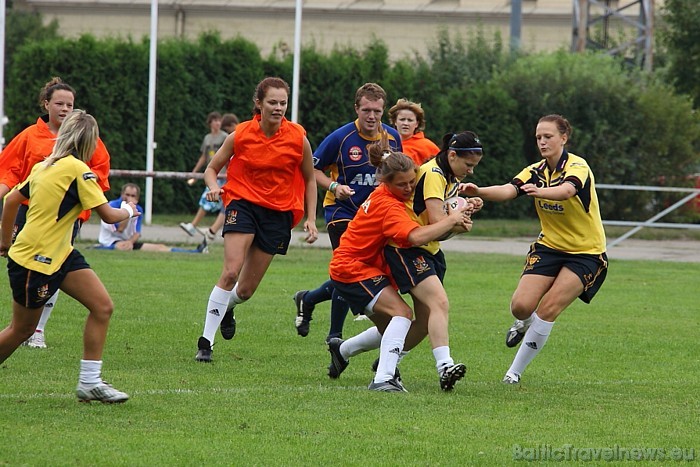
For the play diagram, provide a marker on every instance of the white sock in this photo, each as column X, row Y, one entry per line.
column 234, row 299
column 90, row 372
column 368, row 339
column 46, row 313
column 391, row 347
column 442, row 358
column 532, row 343
column 216, row 307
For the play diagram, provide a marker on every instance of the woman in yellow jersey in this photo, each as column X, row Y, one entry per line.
column 568, row 259
column 42, row 259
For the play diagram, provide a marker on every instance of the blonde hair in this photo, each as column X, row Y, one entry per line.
column 77, row 137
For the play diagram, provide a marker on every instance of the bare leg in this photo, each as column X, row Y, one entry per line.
column 22, row 326
column 86, row 287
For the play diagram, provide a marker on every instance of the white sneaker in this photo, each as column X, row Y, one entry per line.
column 511, row 378
column 102, row 392
column 189, row 228
column 37, row 341
column 517, row 331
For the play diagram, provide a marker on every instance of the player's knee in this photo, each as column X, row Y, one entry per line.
column 103, row 311
column 521, row 309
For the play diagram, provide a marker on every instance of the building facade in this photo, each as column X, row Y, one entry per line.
column 406, row 26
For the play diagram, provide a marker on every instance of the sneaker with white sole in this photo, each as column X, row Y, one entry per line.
column 397, row 373
column 303, row 317
column 338, row 363
column 189, row 228
column 101, row 392
column 511, row 378
column 516, row 333
column 393, row 385
column 451, row 374
column 228, row 324
column 36, row 341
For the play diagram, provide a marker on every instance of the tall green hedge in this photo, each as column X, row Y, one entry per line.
column 631, row 127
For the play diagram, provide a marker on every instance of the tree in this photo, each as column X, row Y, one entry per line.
column 680, row 33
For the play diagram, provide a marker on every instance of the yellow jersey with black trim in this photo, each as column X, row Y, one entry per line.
column 57, row 195
column 573, row 225
column 431, row 182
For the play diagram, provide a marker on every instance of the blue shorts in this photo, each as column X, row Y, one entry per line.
column 410, row 266
column 336, row 229
column 272, row 229
column 590, row 269
column 33, row 289
column 359, row 295
column 211, row 206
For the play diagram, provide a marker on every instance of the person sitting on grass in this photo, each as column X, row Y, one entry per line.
column 125, row 235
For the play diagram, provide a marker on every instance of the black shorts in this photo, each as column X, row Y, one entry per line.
column 359, row 295
column 33, row 289
column 590, row 269
column 272, row 229
column 410, row 266
column 21, row 219
column 336, row 229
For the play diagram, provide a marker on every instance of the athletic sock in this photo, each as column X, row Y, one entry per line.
column 391, row 347
column 368, row 339
column 318, row 295
column 90, row 372
column 46, row 312
column 339, row 310
column 234, row 299
column 532, row 343
column 216, row 307
column 442, row 358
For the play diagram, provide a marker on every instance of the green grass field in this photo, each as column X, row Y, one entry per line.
column 621, row 373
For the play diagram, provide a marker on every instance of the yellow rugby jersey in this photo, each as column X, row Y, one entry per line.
column 431, row 183
column 57, row 195
column 573, row 225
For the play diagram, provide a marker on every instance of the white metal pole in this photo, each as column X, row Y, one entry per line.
column 150, row 143
column 3, row 118
column 297, row 61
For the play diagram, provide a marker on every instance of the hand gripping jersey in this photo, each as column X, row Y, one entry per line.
column 382, row 217
column 344, row 154
column 573, row 225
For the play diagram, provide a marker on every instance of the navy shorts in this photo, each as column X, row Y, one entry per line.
column 359, row 295
column 410, row 266
column 272, row 229
column 590, row 269
column 336, row 229
column 33, row 289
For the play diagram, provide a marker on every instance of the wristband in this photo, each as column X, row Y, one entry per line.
column 129, row 209
column 332, row 187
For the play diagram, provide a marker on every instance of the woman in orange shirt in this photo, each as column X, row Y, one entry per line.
column 409, row 119
column 270, row 185
column 34, row 144
column 359, row 271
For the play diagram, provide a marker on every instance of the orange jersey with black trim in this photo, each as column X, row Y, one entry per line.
column 419, row 148
column 267, row 171
column 33, row 145
column 382, row 217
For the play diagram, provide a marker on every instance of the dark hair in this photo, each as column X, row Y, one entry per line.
column 388, row 162
column 55, row 84
column 228, row 120
column 464, row 144
column 132, row 185
column 560, row 122
column 263, row 86
column 372, row 91
column 405, row 104
column 213, row 116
